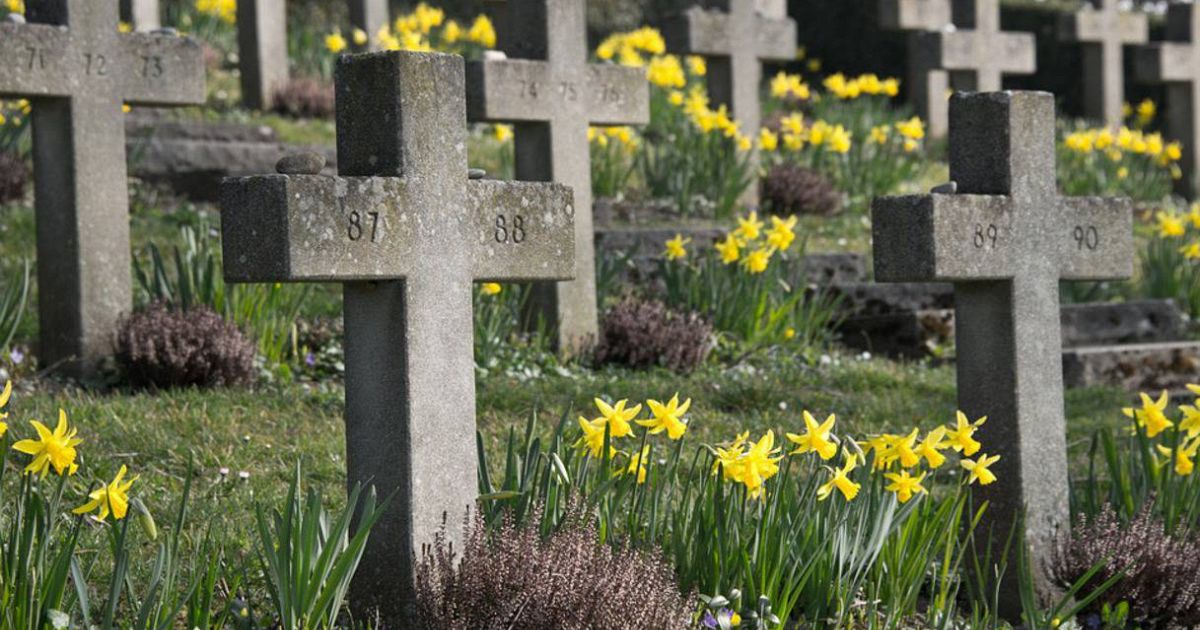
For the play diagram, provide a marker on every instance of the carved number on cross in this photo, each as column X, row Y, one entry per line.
column 514, row 233
column 152, row 67
column 356, row 229
column 986, row 235
column 97, row 64
column 1087, row 236
column 37, row 58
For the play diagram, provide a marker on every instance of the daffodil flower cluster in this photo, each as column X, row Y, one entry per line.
column 223, row 10
column 56, row 450
column 623, row 137
column 616, row 422
column 1178, row 439
column 1142, row 115
column 1171, row 224
column 848, row 89
column 752, row 243
column 14, row 113
column 795, row 135
column 633, row 47
column 15, row 6
column 424, row 29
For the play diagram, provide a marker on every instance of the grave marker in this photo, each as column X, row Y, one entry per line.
column 736, row 39
column 1005, row 240
column 1104, row 31
column 369, row 15
column 1176, row 62
column 978, row 54
column 550, row 92
column 927, row 86
column 407, row 234
column 142, row 14
column 77, row 71
column 262, row 50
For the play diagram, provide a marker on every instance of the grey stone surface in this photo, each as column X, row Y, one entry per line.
column 736, row 40
column 871, row 299
column 369, row 15
column 407, row 234
column 1146, row 367
column 1104, row 31
column 977, row 53
column 143, row 15
column 193, row 157
column 303, row 163
column 905, row 335
column 1005, row 241
column 549, row 91
column 1176, row 63
column 262, row 50
column 1140, row 321
column 78, row 72
column 927, row 86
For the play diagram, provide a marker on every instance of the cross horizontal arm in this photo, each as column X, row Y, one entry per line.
column 34, row 60
column 776, row 39
column 699, row 32
column 1095, row 26
column 1165, row 62
column 914, row 15
column 161, row 70
column 1014, row 53
column 946, row 238
column 524, row 90
column 1098, row 237
column 521, row 231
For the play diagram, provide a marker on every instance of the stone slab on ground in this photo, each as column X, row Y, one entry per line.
column 193, row 157
column 869, row 299
column 1138, row 367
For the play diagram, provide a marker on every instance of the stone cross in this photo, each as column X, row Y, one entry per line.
column 369, row 15
column 142, row 14
column 772, row 9
column 1005, row 240
column 927, row 86
column 551, row 93
column 78, row 71
column 407, row 234
column 1176, row 62
column 1104, row 31
column 978, row 54
column 736, row 41
column 262, row 50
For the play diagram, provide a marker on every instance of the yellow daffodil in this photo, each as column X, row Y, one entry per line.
column 52, row 448
column 749, row 227
column 1146, row 111
column 15, row 6
column 638, row 462
column 904, row 485
column 491, row 288
column 668, row 417
column 1190, row 423
column 504, row 133
column 979, row 469
column 1170, row 224
column 482, row 32
column 360, row 37
column 781, row 236
column 726, row 457
column 1184, row 456
column 879, row 134
column 840, row 481
column 666, row 72
column 758, row 260
column 729, row 249
column 902, row 449
column 593, row 436
column 110, row 499
column 697, row 65
column 961, row 437
column 618, row 417
column 817, row 437
column 1191, row 251
column 677, row 247
column 335, row 42
column 912, row 128
column 4, row 396
column 930, row 448
column 759, row 463
column 768, row 140
column 1151, row 416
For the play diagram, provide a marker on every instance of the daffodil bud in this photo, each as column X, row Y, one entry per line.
column 145, row 519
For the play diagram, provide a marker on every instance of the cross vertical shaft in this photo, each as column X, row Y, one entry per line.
column 369, row 15
column 262, row 50
column 927, row 86
column 1103, row 31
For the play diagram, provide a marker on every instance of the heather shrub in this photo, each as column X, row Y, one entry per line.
column 1161, row 581
column 792, row 189
column 14, row 177
column 642, row 333
column 512, row 578
column 305, row 98
column 161, row 346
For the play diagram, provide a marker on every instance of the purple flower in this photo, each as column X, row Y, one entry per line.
column 16, row 356
column 709, row 620
column 310, row 359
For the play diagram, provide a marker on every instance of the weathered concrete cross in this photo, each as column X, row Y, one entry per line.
column 407, row 234
column 262, row 50
column 1005, row 240
column 551, row 93
column 142, row 14
column 978, row 54
column 1176, row 63
column 1104, row 31
column 736, row 41
column 77, row 70
column 927, row 86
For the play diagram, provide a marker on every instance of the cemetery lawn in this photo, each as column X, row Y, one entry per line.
column 264, row 432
